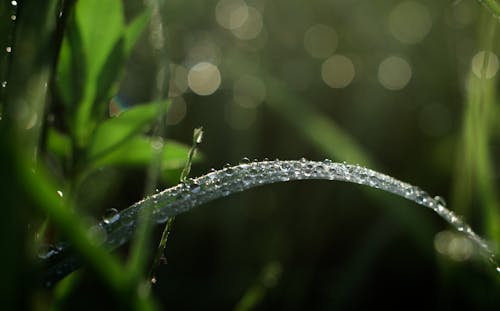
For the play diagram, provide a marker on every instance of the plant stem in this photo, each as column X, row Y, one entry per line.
column 197, row 138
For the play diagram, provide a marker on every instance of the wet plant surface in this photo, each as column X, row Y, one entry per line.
column 98, row 102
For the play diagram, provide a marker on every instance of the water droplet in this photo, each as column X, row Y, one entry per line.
column 13, row 17
column 245, row 160
column 161, row 218
column 199, row 138
column 308, row 170
column 498, row 269
column 8, row 49
column 374, row 182
column 229, row 171
column 14, row 3
column 60, row 193
column 46, row 250
column 439, row 200
column 227, row 165
column 4, row 83
column 110, row 216
column 195, row 187
column 327, row 162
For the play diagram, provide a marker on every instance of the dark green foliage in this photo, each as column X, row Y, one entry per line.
column 65, row 159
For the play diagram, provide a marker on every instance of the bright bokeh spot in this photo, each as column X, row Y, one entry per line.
column 410, row 22
column 320, row 41
column 337, row 71
column 394, row 73
column 251, row 27
column 485, row 64
column 204, row 78
column 453, row 245
column 249, row 91
column 231, row 14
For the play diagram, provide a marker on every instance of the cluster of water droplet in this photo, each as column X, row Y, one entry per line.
column 8, row 48
column 120, row 227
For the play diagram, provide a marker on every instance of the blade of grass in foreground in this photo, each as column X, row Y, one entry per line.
column 227, row 181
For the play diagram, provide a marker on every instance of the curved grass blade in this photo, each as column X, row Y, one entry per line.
column 230, row 180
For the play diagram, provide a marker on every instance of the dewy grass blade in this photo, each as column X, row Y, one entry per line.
column 230, row 180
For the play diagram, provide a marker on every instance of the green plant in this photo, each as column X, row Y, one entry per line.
column 83, row 140
column 62, row 153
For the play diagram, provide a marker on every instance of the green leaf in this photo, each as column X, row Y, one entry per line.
column 90, row 61
column 139, row 151
column 134, row 29
column 107, row 81
column 113, row 132
column 101, row 26
column 71, row 68
column 58, row 143
column 93, row 52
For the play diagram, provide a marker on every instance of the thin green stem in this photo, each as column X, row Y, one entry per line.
column 197, row 138
column 136, row 267
column 160, row 251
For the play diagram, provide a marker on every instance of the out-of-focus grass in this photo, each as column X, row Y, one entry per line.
column 492, row 6
column 68, row 148
column 28, row 75
column 475, row 177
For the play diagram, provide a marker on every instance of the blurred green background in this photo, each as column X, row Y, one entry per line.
column 395, row 103
column 407, row 88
